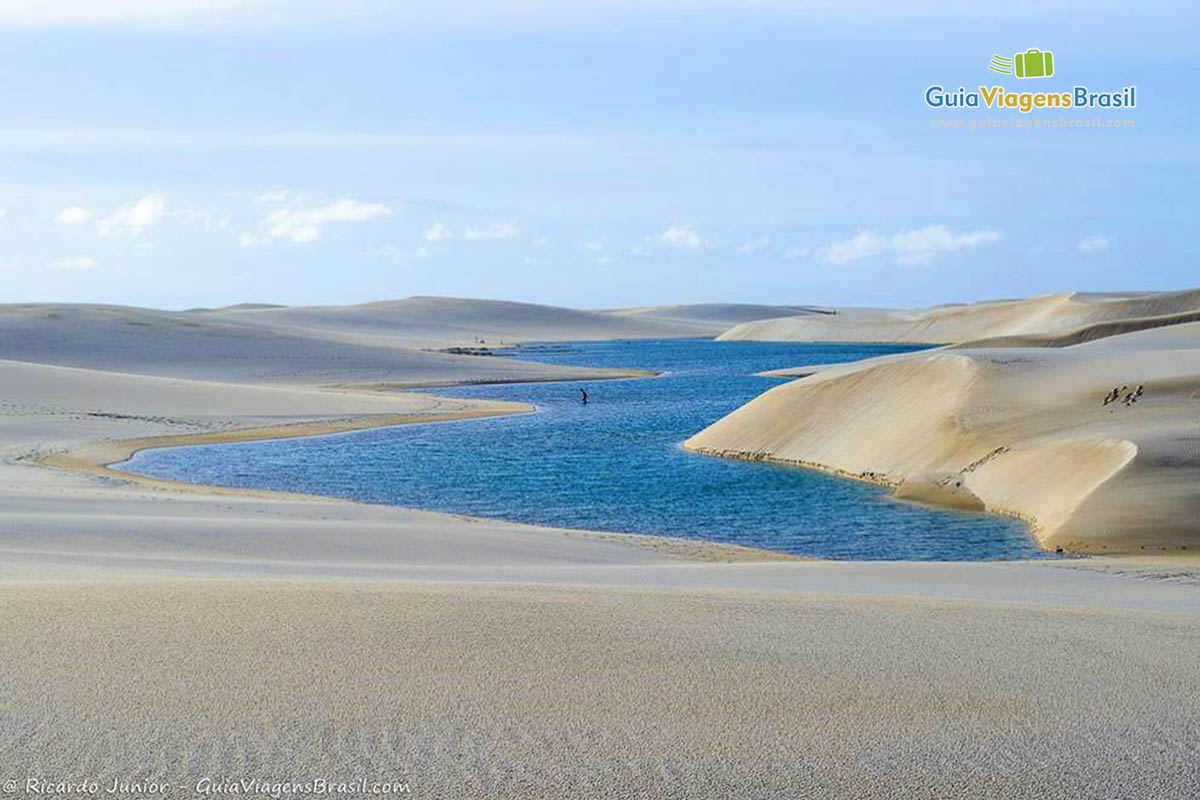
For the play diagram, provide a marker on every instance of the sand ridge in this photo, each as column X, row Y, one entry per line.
column 157, row 633
column 1037, row 321
column 444, row 321
column 1021, row 431
column 209, row 346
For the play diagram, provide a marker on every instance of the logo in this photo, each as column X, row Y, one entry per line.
column 1033, row 63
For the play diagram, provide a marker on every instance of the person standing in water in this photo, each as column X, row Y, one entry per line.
column 584, row 393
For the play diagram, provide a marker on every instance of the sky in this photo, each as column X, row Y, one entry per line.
column 603, row 154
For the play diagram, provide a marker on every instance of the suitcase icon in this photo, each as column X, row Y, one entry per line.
column 1034, row 63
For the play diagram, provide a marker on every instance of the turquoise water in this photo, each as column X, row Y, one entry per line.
column 614, row 464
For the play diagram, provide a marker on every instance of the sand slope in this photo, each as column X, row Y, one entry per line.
column 173, row 635
column 443, row 321
column 710, row 319
column 213, row 347
column 391, row 342
column 1039, row 316
column 1021, row 431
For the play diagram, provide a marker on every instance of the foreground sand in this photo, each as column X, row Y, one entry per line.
column 476, row 690
column 162, row 634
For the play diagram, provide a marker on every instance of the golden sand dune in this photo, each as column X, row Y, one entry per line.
column 1016, row 430
column 1046, row 316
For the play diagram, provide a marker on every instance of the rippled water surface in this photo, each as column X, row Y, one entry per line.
column 614, row 464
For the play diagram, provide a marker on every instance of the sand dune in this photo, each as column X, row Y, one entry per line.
column 1016, row 430
column 178, row 635
column 445, row 321
column 387, row 343
column 710, row 319
column 219, row 347
column 1087, row 333
column 1047, row 316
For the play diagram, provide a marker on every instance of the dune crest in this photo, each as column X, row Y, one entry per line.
column 1036, row 318
column 1019, row 431
column 440, row 321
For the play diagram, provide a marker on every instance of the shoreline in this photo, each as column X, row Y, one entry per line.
column 387, row 386
column 878, row 480
column 954, row 503
column 97, row 458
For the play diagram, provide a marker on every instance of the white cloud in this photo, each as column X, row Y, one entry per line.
column 273, row 197
column 137, row 216
column 1096, row 243
column 680, row 236
column 72, row 264
column 134, row 217
column 436, row 232
column 398, row 255
column 201, row 218
column 863, row 244
column 304, row 225
column 74, row 215
column 593, row 247
column 918, row 246
column 754, row 245
column 496, row 230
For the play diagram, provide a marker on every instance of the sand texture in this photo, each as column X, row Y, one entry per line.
column 1023, row 431
column 474, row 690
column 442, row 321
column 159, row 632
column 1039, row 321
column 208, row 346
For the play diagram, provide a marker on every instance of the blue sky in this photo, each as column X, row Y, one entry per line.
column 597, row 154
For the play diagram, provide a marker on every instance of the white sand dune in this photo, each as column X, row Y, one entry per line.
column 212, row 347
column 47, row 408
column 1049, row 315
column 1016, row 430
column 710, row 319
column 176, row 633
column 445, row 321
